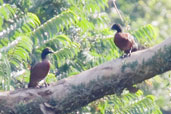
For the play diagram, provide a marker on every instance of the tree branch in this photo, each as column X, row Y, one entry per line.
column 74, row 92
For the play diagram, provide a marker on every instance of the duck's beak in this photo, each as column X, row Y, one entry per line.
column 51, row 51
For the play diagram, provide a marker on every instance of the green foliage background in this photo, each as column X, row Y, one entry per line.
column 79, row 33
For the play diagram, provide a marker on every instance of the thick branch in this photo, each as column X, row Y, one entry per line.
column 77, row 91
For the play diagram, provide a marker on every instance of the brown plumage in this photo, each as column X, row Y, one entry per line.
column 124, row 41
column 39, row 71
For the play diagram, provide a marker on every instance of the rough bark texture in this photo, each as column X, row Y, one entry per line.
column 74, row 92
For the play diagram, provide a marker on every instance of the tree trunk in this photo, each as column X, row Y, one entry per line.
column 74, row 92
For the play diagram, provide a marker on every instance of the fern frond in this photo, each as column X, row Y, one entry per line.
column 19, row 55
column 133, row 104
column 57, row 42
column 88, row 5
column 85, row 25
column 88, row 12
column 6, row 11
column 105, row 48
column 10, row 45
column 145, row 106
column 5, row 72
column 53, row 26
column 65, row 53
column 23, row 26
column 146, row 35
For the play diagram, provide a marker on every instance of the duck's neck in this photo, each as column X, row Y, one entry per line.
column 43, row 56
column 119, row 30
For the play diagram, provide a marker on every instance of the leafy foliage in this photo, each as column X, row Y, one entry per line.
column 78, row 32
column 20, row 53
column 5, row 75
column 148, row 32
column 53, row 26
column 126, row 104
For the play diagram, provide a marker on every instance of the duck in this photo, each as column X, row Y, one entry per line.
column 124, row 41
column 40, row 70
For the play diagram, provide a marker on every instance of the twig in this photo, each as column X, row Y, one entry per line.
column 114, row 3
column 122, row 18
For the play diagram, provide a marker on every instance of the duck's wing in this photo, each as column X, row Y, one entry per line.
column 38, row 72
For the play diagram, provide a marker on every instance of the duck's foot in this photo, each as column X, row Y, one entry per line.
column 46, row 84
column 125, row 55
column 43, row 85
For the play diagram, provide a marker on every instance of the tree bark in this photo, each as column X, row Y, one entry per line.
column 74, row 92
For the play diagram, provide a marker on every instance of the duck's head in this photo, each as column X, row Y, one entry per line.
column 117, row 27
column 45, row 52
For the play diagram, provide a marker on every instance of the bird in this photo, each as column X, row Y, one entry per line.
column 40, row 70
column 124, row 41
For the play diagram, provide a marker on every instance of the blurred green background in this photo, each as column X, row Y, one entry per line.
column 79, row 33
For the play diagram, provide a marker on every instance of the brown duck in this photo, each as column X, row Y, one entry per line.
column 124, row 41
column 39, row 71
